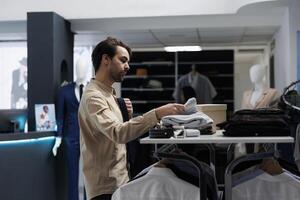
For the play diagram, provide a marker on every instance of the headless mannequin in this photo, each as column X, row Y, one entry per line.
column 193, row 70
column 261, row 96
column 193, row 74
column 68, row 127
column 81, row 72
column 257, row 78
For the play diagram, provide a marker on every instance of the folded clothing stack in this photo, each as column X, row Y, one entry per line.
column 192, row 122
column 196, row 120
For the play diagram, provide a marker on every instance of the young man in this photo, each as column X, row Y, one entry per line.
column 103, row 134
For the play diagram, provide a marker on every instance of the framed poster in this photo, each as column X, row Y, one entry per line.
column 45, row 117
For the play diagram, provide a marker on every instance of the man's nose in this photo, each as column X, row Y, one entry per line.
column 127, row 67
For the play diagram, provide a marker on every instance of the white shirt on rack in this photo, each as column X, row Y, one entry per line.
column 265, row 186
column 157, row 184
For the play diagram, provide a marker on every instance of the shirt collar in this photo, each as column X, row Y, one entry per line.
column 283, row 177
column 108, row 89
column 161, row 171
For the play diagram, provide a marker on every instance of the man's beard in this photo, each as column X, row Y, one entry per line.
column 118, row 77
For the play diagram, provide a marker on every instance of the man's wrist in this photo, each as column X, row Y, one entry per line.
column 157, row 114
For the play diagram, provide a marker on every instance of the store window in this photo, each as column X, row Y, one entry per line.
column 13, row 75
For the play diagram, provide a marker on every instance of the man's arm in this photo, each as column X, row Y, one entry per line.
column 106, row 122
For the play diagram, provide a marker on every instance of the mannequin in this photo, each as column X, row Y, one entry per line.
column 68, row 128
column 261, row 96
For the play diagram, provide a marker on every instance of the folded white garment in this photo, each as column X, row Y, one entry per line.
column 190, row 106
column 195, row 120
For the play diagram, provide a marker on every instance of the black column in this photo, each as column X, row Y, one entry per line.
column 50, row 58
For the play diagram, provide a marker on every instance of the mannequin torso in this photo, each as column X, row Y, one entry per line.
column 68, row 126
column 255, row 96
column 81, row 74
column 261, row 96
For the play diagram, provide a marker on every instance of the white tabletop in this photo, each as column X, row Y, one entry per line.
column 217, row 138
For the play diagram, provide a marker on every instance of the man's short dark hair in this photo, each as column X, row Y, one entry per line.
column 109, row 47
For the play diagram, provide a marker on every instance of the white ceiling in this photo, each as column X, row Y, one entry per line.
column 207, row 37
column 252, row 25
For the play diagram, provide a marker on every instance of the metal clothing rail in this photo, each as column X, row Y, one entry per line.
column 234, row 163
column 218, row 138
column 189, row 159
column 210, row 147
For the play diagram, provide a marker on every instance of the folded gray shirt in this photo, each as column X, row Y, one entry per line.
column 196, row 120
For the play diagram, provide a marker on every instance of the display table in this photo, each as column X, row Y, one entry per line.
column 219, row 138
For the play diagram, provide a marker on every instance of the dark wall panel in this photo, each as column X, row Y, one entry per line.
column 50, row 62
column 50, row 46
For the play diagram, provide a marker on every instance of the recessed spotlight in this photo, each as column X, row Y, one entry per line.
column 182, row 48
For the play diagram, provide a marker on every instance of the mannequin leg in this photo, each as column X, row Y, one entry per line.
column 73, row 169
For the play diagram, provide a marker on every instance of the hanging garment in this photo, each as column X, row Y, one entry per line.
column 68, row 129
column 157, row 184
column 253, row 172
column 190, row 174
column 297, row 147
column 290, row 103
column 204, row 89
column 265, row 186
column 267, row 99
column 246, row 175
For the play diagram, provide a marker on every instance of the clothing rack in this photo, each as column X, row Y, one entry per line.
column 234, row 163
column 219, row 138
column 165, row 152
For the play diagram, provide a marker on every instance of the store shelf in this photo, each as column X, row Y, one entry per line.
column 168, row 67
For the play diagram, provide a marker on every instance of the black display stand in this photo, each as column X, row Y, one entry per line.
column 50, row 44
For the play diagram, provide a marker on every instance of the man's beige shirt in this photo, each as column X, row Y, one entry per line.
column 103, row 138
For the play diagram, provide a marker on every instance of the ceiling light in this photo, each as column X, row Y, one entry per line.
column 182, row 48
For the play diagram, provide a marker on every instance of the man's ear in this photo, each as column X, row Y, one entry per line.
column 105, row 59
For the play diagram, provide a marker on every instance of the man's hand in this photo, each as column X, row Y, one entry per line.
column 129, row 107
column 169, row 109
